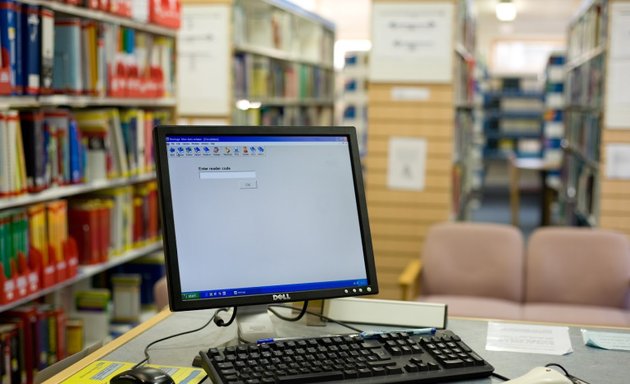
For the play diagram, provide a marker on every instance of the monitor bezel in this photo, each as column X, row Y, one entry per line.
column 176, row 302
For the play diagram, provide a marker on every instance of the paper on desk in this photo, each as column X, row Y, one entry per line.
column 547, row 340
column 101, row 371
column 607, row 340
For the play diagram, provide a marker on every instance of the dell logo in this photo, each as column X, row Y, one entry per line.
column 283, row 296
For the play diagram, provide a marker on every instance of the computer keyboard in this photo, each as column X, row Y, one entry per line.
column 396, row 357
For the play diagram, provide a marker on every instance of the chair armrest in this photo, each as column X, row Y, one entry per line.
column 409, row 280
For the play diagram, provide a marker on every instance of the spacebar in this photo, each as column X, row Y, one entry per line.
column 311, row 377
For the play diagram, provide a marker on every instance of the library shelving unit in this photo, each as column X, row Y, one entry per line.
column 513, row 110
column 352, row 102
column 553, row 124
column 419, row 111
column 253, row 62
column 77, row 107
column 596, row 176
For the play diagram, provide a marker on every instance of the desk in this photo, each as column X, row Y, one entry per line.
column 592, row 365
column 542, row 167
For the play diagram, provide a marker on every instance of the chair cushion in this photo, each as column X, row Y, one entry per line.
column 474, row 259
column 576, row 314
column 578, row 266
column 484, row 307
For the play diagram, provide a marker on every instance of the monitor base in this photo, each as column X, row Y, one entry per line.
column 254, row 323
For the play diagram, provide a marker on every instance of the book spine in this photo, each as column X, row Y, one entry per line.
column 47, row 36
column 31, row 53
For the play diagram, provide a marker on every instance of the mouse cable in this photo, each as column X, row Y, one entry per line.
column 501, row 377
column 343, row 324
column 566, row 373
column 146, row 349
column 285, row 318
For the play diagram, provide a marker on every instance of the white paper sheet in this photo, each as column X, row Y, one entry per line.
column 618, row 161
column 528, row 338
column 412, row 42
column 406, row 165
column 606, row 340
column 618, row 72
column 203, row 61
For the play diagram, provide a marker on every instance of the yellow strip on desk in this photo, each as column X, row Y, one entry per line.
column 101, row 372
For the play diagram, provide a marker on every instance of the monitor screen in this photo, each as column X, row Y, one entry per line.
column 258, row 215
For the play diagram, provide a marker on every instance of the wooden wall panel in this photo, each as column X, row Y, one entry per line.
column 388, row 128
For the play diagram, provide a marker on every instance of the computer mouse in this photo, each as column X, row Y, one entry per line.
column 541, row 375
column 142, row 375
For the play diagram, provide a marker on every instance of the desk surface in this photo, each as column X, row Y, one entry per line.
column 590, row 364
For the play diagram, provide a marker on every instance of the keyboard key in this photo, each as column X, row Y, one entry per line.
column 311, row 377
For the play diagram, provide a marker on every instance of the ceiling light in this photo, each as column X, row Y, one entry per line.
column 506, row 10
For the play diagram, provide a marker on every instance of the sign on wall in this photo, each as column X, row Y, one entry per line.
column 412, row 42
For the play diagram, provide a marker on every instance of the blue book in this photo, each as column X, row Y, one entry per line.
column 19, row 54
column 7, row 38
column 31, row 53
column 75, row 153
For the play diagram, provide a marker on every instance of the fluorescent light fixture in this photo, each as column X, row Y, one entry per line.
column 506, row 10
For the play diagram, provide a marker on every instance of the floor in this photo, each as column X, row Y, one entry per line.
column 494, row 207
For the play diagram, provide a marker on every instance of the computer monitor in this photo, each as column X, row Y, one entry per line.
column 259, row 215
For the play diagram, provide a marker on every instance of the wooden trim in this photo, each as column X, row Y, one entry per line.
column 437, row 182
column 379, row 162
column 108, row 348
column 394, row 197
column 416, row 113
column 385, row 128
column 380, row 148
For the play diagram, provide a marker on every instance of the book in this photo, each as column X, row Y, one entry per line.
column 19, row 69
column 89, row 225
column 6, row 242
column 89, row 56
column 47, row 62
column 27, row 317
column 37, row 229
column 5, row 158
column 56, row 216
column 18, row 351
column 8, row 40
column 57, row 123
column 68, row 56
column 33, row 137
column 121, row 217
column 30, row 48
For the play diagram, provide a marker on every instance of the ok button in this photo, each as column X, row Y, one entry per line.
column 248, row 184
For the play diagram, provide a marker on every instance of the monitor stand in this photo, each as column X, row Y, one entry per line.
column 254, row 323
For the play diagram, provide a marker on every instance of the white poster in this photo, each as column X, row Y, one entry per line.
column 412, row 42
column 406, row 166
column 618, row 72
column 618, row 161
column 203, row 58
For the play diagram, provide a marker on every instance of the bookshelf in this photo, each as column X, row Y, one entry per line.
column 273, row 66
column 553, row 124
column 413, row 113
column 76, row 116
column 352, row 103
column 595, row 180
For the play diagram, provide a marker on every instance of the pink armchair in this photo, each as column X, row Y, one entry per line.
column 578, row 275
column 474, row 268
